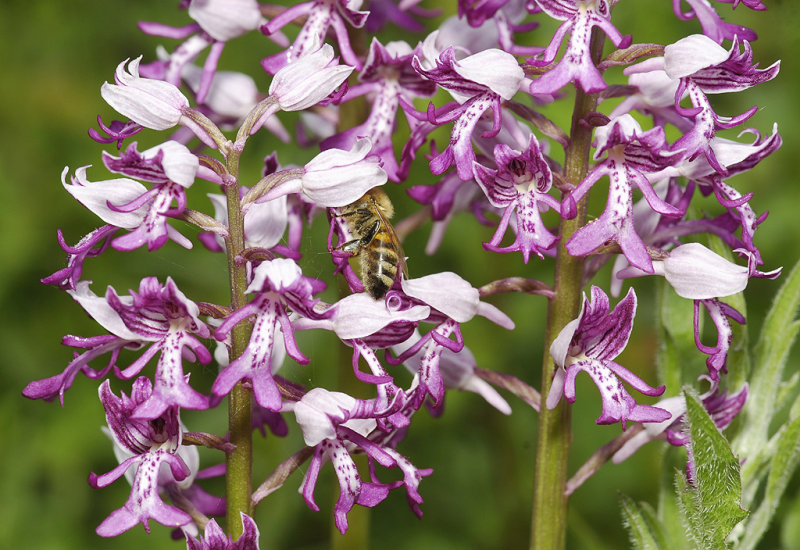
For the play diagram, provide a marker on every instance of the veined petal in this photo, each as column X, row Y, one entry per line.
column 308, row 80
column 320, row 411
column 697, row 273
column 180, row 165
column 359, row 316
column 226, row 19
column 446, row 292
column 96, row 195
column 689, row 55
column 152, row 103
column 497, row 70
column 99, row 309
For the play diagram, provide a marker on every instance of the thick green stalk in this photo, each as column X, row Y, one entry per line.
column 549, row 520
column 238, row 474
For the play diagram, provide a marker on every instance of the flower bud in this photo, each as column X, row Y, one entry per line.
column 152, row 103
column 308, row 80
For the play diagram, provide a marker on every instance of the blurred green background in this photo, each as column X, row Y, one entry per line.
column 56, row 56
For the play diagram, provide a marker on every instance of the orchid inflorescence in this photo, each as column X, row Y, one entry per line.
column 500, row 166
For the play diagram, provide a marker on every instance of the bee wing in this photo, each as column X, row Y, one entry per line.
column 401, row 256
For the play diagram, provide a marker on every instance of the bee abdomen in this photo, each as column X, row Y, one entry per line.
column 379, row 265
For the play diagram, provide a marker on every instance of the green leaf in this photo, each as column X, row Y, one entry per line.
column 712, row 506
column 783, row 464
column 643, row 526
column 777, row 336
column 672, row 522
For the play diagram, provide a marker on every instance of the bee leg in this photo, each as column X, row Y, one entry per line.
column 351, row 246
column 356, row 245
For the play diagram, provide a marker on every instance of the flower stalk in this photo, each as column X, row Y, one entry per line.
column 549, row 520
column 238, row 473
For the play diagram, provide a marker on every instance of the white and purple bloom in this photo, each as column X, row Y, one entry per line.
column 153, row 447
column 336, row 424
column 161, row 315
column 308, row 79
column 590, row 343
column 216, row 22
column 278, row 283
column 127, row 204
column 452, row 301
column 736, row 158
column 697, row 273
column 333, row 178
column 580, row 17
column 457, row 369
column 390, row 79
column 519, row 185
column 704, row 67
column 154, row 104
column 214, row 538
column 630, row 153
column 320, row 16
column 478, row 82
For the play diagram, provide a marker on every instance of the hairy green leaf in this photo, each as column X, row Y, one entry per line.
column 712, row 503
column 643, row 526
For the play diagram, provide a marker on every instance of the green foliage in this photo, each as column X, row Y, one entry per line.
column 712, row 509
column 642, row 524
column 711, row 506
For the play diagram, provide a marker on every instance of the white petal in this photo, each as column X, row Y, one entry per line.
column 494, row 68
column 697, row 273
column 180, row 164
column 95, row 195
column 689, row 55
column 446, row 292
column 98, row 309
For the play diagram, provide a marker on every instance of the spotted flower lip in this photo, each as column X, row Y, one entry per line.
column 164, row 316
column 576, row 65
column 277, row 284
column 590, row 343
column 335, row 424
column 152, row 447
column 630, row 154
column 519, row 184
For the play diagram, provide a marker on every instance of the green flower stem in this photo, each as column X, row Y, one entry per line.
column 238, row 474
column 549, row 520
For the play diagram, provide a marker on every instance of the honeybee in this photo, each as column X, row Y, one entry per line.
column 375, row 241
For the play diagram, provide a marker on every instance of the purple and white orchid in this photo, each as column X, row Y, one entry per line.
column 589, row 344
